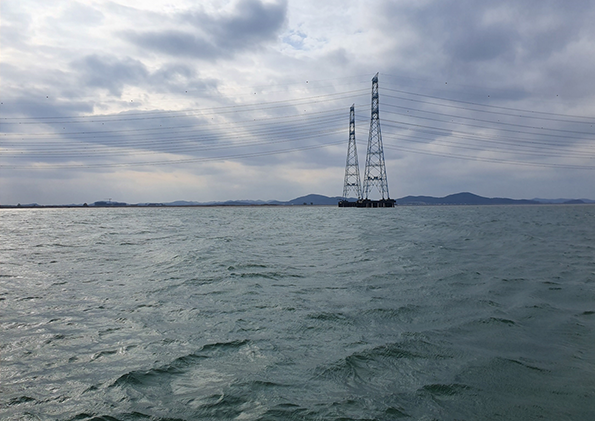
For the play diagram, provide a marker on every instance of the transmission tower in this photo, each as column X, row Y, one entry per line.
column 375, row 172
column 352, row 178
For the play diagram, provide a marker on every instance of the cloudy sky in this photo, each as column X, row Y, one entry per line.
column 156, row 101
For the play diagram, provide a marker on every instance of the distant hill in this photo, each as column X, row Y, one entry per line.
column 574, row 202
column 109, row 203
column 565, row 201
column 315, row 199
column 462, row 199
column 311, row 199
column 182, row 203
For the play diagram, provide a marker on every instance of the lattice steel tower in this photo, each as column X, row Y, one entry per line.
column 375, row 172
column 352, row 179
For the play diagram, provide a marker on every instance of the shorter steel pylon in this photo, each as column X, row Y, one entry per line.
column 352, row 179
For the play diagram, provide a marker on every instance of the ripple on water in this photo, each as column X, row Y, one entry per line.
column 303, row 313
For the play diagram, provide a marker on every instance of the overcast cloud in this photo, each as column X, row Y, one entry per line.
column 147, row 101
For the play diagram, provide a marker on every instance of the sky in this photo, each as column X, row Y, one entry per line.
column 156, row 101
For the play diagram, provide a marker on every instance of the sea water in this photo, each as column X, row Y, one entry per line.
column 298, row 313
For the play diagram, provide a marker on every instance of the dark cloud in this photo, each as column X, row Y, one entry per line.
column 175, row 43
column 338, row 57
column 506, row 45
column 39, row 105
column 463, row 31
column 113, row 74
column 173, row 77
column 478, row 31
column 251, row 24
column 487, row 43
column 110, row 73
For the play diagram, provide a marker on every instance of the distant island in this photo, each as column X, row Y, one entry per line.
column 321, row 200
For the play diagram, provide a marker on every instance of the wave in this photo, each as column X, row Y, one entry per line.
column 421, row 314
column 496, row 321
column 441, row 390
column 130, row 416
column 325, row 316
column 372, row 365
column 177, row 366
column 401, row 313
column 21, row 399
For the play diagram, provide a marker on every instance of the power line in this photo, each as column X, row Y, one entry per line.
column 148, row 115
column 253, row 126
column 492, row 112
column 548, row 135
column 498, row 122
column 457, row 145
column 496, row 107
column 493, row 160
column 175, row 161
column 181, row 148
column 317, row 116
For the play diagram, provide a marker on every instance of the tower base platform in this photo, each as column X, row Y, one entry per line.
column 367, row 203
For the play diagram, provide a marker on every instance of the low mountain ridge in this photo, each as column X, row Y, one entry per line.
column 315, row 199
column 464, row 198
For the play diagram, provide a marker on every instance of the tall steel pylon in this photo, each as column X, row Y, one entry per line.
column 375, row 172
column 352, row 178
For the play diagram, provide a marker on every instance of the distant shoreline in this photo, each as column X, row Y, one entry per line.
column 457, row 199
column 15, row 207
column 144, row 206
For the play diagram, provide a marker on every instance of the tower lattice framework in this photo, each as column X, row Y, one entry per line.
column 352, row 178
column 375, row 172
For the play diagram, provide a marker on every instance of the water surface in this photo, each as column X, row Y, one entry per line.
column 298, row 313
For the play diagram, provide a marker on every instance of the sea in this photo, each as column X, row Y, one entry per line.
column 298, row 313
